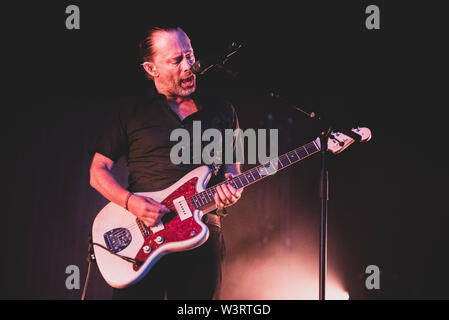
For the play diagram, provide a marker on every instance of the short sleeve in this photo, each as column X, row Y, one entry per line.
column 111, row 138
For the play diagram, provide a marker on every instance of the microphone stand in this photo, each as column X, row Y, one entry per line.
column 323, row 221
column 325, row 132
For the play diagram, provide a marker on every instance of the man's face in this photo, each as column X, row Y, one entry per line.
column 173, row 58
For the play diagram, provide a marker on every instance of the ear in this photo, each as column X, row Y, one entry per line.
column 150, row 68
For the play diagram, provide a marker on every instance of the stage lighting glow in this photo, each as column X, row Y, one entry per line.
column 278, row 274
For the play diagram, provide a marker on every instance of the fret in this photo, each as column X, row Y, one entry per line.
column 198, row 197
column 249, row 177
column 198, row 202
column 316, row 146
column 245, row 179
column 272, row 168
column 240, row 179
column 237, row 180
column 310, row 147
column 299, row 157
column 250, row 172
column 262, row 171
column 203, row 198
column 210, row 193
column 193, row 201
column 279, row 163
column 302, row 153
column 284, row 160
column 256, row 173
column 292, row 156
column 210, row 197
column 213, row 191
column 233, row 183
column 206, row 198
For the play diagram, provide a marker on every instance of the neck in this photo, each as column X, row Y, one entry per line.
column 176, row 100
column 182, row 106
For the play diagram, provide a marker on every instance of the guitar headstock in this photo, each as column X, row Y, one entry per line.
column 338, row 141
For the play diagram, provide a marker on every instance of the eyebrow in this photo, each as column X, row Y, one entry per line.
column 174, row 58
column 179, row 56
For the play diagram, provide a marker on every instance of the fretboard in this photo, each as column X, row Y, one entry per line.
column 259, row 172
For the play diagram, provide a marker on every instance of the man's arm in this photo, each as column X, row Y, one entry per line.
column 101, row 179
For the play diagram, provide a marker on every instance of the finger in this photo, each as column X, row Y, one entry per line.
column 222, row 195
column 229, row 194
column 163, row 209
column 228, row 176
column 149, row 222
column 158, row 207
column 156, row 204
column 238, row 192
column 231, row 189
column 230, row 199
column 218, row 201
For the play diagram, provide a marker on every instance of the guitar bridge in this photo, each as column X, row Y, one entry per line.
column 143, row 228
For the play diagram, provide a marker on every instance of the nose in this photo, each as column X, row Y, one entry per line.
column 187, row 63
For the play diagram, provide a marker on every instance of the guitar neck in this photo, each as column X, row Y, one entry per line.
column 259, row 172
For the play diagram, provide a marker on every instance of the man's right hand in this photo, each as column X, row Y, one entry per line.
column 146, row 209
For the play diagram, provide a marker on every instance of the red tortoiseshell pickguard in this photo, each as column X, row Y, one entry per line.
column 174, row 229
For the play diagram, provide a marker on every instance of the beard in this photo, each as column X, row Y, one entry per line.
column 180, row 88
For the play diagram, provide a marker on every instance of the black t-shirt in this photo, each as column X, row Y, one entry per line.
column 140, row 130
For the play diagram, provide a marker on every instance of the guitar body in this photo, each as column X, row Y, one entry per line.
column 121, row 232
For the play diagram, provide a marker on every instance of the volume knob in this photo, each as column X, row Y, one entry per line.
column 159, row 240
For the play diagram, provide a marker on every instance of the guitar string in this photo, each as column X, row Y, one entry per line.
column 134, row 225
column 173, row 208
column 249, row 171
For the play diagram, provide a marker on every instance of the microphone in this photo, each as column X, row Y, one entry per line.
column 202, row 66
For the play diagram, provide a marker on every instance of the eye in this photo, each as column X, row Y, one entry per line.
column 190, row 56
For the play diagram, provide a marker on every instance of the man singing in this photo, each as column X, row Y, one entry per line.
column 140, row 130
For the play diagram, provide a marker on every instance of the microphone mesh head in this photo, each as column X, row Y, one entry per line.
column 196, row 68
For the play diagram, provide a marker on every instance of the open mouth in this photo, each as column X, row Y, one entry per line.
column 188, row 81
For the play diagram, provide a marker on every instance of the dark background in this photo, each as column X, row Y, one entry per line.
column 387, row 197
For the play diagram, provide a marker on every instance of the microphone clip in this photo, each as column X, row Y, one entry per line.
column 200, row 67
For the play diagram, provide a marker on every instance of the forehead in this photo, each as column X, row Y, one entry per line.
column 171, row 43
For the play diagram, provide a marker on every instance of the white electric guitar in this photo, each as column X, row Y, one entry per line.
column 125, row 249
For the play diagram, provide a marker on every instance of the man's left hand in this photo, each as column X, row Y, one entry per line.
column 226, row 194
